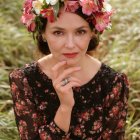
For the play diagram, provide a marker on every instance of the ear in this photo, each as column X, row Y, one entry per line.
column 44, row 38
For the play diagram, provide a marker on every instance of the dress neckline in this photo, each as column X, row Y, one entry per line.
column 84, row 85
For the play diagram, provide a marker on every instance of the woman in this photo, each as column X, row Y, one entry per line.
column 67, row 94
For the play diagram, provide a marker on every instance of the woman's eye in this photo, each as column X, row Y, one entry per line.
column 81, row 32
column 57, row 33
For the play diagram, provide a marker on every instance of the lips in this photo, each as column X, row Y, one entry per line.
column 70, row 55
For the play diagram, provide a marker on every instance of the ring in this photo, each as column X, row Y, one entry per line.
column 65, row 81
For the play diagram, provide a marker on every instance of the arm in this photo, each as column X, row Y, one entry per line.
column 63, row 117
column 27, row 118
column 116, row 109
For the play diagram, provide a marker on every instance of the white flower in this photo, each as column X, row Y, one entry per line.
column 107, row 7
column 41, row 1
column 52, row 2
column 37, row 5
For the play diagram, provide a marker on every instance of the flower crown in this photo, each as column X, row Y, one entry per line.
column 98, row 11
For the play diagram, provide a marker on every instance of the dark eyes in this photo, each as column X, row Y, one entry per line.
column 79, row 32
column 58, row 33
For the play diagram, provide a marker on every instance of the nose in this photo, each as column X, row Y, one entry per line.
column 70, row 41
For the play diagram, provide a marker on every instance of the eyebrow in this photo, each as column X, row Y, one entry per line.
column 60, row 28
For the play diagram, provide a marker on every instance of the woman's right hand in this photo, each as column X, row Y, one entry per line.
column 65, row 92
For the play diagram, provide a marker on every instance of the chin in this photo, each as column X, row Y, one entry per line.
column 72, row 62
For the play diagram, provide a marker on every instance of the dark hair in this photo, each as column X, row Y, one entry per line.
column 43, row 45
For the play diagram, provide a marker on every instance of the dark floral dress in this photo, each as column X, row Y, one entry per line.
column 99, row 112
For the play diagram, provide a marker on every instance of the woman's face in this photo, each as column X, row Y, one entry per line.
column 68, row 38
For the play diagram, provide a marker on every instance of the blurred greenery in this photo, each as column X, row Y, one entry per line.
column 120, row 49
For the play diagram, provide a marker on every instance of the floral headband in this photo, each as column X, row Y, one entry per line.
column 98, row 11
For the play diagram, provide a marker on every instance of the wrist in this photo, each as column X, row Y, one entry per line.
column 65, row 108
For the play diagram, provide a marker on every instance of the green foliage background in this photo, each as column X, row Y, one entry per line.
column 120, row 48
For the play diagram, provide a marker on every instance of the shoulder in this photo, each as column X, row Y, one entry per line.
column 110, row 77
column 111, row 74
column 20, row 72
column 116, row 87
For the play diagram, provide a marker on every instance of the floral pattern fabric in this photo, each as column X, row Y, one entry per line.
column 99, row 112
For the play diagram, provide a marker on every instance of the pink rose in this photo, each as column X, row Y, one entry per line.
column 27, row 6
column 102, row 20
column 14, row 87
column 71, row 6
column 88, row 6
column 28, row 20
column 48, row 13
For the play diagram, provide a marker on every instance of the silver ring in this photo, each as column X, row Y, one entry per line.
column 65, row 82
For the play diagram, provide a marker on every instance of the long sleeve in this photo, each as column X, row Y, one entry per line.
column 26, row 115
column 115, row 105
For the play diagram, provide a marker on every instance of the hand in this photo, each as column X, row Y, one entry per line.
column 65, row 92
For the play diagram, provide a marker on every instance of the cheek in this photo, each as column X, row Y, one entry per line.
column 54, row 44
column 83, row 43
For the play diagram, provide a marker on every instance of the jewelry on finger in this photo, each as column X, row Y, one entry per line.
column 65, row 81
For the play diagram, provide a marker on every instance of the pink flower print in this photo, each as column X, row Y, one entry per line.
column 13, row 87
column 85, row 116
column 71, row 6
column 115, row 110
column 23, row 129
column 53, row 127
column 97, row 125
column 99, row 108
column 43, row 105
column 88, row 6
column 46, row 90
column 123, row 113
column 38, row 84
column 92, row 111
column 19, row 106
column 102, row 20
column 48, row 13
column 89, row 139
column 34, row 115
column 112, row 96
column 25, row 81
column 78, row 131
column 115, row 90
column 126, row 80
column 106, row 135
column 43, row 136
column 120, row 123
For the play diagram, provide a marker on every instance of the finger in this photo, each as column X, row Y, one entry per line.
column 70, row 79
column 60, row 85
column 65, row 89
column 73, row 79
column 70, row 85
column 56, row 67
